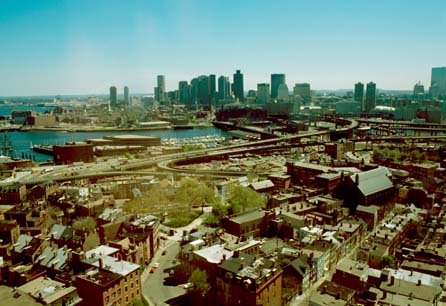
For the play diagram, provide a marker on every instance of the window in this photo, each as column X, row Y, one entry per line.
column 126, row 289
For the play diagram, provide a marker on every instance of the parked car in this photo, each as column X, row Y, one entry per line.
column 154, row 267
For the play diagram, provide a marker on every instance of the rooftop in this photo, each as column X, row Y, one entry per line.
column 373, row 181
column 100, row 251
column 46, row 289
column 115, row 265
column 9, row 296
column 248, row 216
column 418, row 291
column 214, row 254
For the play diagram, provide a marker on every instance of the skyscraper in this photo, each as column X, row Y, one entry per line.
column 359, row 93
column 212, row 85
column 113, row 96
column 283, row 92
column 222, row 87
column 204, row 90
column 160, row 92
column 263, row 94
column 184, row 94
column 237, row 87
column 276, row 80
column 304, row 91
column 370, row 97
column 126, row 95
column 438, row 82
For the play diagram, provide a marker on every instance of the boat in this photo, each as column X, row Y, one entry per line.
column 48, row 150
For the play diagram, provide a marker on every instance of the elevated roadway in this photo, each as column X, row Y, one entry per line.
column 163, row 163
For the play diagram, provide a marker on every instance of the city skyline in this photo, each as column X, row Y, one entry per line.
column 83, row 47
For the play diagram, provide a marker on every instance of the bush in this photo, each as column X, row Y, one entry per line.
column 211, row 221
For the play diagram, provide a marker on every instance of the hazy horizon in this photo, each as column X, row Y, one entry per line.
column 84, row 47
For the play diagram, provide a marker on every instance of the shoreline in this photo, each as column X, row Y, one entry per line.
column 98, row 129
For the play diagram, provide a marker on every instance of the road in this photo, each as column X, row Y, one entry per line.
column 153, row 289
column 116, row 167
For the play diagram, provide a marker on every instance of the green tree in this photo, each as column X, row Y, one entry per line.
column 194, row 192
column 137, row 302
column 415, row 155
column 219, row 210
column 199, row 281
column 154, row 197
column 243, row 198
column 389, row 261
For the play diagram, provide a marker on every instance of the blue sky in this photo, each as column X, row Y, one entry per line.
column 84, row 46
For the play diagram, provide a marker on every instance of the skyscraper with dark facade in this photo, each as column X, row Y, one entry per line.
column 370, row 97
column 263, row 94
column 113, row 96
column 237, row 87
column 359, row 93
column 212, row 85
column 160, row 90
column 438, row 82
column 184, row 94
column 126, row 95
column 204, row 90
column 304, row 91
column 276, row 80
column 223, row 87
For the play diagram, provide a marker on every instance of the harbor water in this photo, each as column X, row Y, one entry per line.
column 21, row 141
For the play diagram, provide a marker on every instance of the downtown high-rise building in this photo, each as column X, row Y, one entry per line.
column 438, row 82
column 283, row 92
column 113, row 96
column 126, row 96
column 276, row 80
column 204, row 90
column 263, row 94
column 212, row 85
column 304, row 91
column 160, row 89
column 223, row 87
column 370, row 98
column 359, row 93
column 237, row 86
column 184, row 94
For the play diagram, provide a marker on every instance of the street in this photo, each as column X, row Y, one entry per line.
column 152, row 283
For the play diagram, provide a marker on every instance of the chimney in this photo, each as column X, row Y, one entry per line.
column 357, row 180
column 384, row 295
column 101, row 265
column 392, row 280
column 419, row 282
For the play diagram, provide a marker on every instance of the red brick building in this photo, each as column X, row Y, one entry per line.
column 242, row 280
